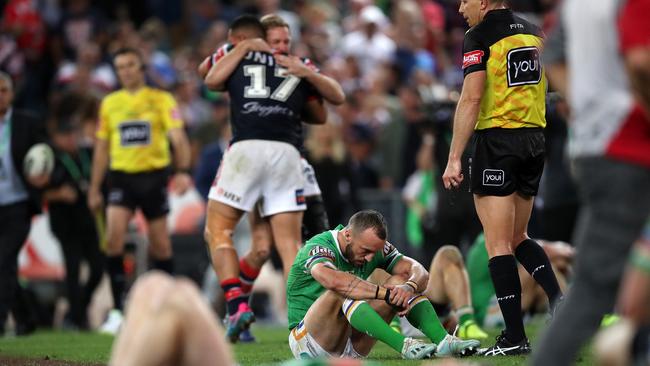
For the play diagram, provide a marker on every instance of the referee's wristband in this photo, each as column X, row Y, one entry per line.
column 182, row 171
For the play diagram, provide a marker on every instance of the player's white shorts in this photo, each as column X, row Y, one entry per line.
column 311, row 185
column 260, row 170
column 303, row 345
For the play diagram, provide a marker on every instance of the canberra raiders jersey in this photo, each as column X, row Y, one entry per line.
column 266, row 102
column 303, row 289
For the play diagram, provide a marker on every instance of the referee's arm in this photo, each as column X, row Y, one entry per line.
column 464, row 122
column 182, row 178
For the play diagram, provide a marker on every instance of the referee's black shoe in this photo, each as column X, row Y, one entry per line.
column 503, row 347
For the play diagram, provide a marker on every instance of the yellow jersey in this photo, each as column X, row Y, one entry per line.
column 508, row 48
column 136, row 126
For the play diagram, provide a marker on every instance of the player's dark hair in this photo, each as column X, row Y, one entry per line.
column 367, row 219
column 129, row 50
column 247, row 22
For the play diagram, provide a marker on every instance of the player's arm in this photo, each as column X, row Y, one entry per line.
column 346, row 284
column 327, row 87
column 417, row 276
column 225, row 65
column 204, row 67
column 98, row 172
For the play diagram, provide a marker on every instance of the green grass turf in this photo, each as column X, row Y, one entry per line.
column 271, row 348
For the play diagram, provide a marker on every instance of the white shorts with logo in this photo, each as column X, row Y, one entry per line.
column 311, row 185
column 303, row 345
column 260, row 170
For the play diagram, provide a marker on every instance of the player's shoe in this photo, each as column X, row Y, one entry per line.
column 503, row 347
column 414, row 349
column 452, row 346
column 113, row 322
column 471, row 330
column 609, row 319
column 246, row 336
column 239, row 322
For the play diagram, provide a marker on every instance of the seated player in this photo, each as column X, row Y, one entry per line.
column 167, row 322
column 335, row 311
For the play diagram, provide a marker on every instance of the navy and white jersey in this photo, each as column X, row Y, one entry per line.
column 266, row 103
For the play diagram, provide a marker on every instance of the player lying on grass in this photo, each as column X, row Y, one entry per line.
column 335, row 311
column 167, row 322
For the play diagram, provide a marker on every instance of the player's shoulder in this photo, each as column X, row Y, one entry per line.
column 114, row 97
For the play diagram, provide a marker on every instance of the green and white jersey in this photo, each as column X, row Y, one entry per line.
column 303, row 289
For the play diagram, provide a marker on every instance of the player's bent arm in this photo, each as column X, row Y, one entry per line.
column 204, row 67
column 220, row 72
column 346, row 284
column 327, row 87
column 181, row 146
column 467, row 112
column 315, row 112
column 413, row 271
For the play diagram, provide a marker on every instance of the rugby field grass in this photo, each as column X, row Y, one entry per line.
column 44, row 347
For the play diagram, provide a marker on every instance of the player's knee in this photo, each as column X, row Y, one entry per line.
column 151, row 285
column 397, row 279
column 450, row 254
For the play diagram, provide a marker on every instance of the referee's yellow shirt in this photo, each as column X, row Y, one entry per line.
column 507, row 47
column 136, row 126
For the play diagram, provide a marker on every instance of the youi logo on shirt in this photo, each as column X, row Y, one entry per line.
column 135, row 133
column 493, row 177
column 524, row 66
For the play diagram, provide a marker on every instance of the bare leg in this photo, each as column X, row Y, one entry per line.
column 287, row 237
column 168, row 323
column 117, row 221
column 220, row 225
column 448, row 279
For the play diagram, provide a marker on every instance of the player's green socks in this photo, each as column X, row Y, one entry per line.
column 424, row 317
column 365, row 319
column 464, row 314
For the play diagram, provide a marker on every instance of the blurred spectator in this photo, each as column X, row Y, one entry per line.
column 194, row 110
column 79, row 24
column 360, row 141
column 22, row 19
column 88, row 63
column 369, row 45
column 326, row 153
column 19, row 200
column 71, row 221
column 420, row 194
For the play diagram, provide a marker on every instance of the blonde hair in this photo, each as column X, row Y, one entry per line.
column 273, row 21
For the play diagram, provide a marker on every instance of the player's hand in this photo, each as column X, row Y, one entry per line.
column 38, row 181
column 453, row 175
column 256, row 44
column 294, row 65
column 181, row 183
column 67, row 193
column 95, row 200
column 400, row 295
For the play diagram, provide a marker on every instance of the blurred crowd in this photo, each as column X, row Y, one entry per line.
column 399, row 63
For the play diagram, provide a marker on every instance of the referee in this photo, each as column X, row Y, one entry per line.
column 503, row 99
column 136, row 125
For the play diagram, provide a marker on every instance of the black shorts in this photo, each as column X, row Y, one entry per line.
column 505, row 161
column 147, row 191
